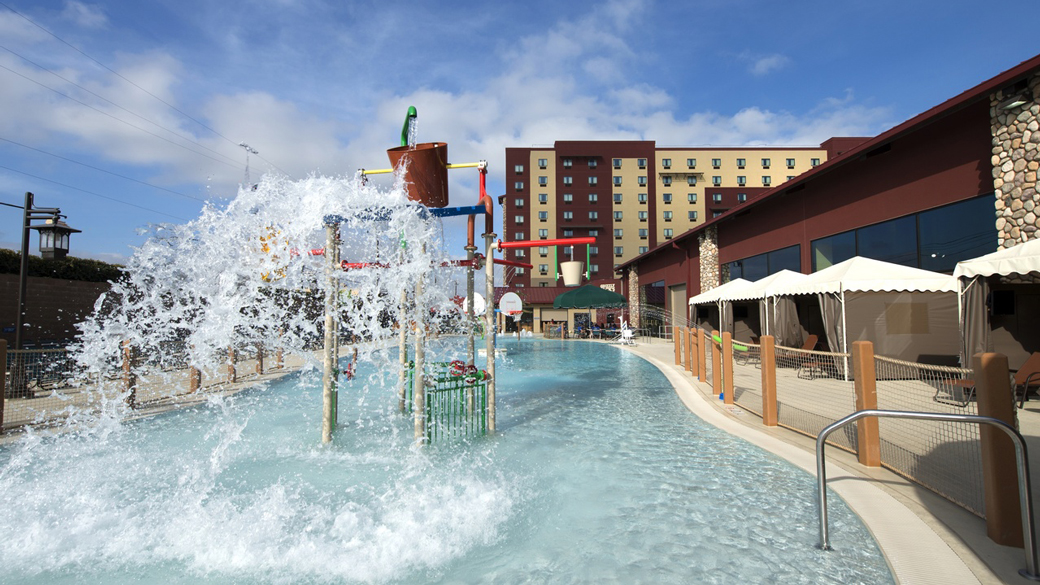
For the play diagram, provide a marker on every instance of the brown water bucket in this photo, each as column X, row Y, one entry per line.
column 426, row 173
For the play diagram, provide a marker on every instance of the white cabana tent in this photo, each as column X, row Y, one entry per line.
column 1017, row 271
column 762, row 291
column 713, row 296
column 908, row 313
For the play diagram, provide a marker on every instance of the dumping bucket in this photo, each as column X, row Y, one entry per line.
column 571, row 272
column 426, row 172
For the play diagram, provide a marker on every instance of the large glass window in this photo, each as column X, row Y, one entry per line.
column 832, row 250
column 956, row 232
column 763, row 265
column 893, row 241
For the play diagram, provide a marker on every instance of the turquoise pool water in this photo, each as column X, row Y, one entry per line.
column 598, row 474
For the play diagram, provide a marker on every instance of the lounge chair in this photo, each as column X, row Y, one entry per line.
column 1028, row 376
column 811, row 366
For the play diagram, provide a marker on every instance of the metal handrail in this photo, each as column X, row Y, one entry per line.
column 1024, row 489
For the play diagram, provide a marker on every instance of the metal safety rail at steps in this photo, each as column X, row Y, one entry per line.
column 454, row 406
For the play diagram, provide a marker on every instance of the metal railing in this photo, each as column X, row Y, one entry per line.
column 1021, row 458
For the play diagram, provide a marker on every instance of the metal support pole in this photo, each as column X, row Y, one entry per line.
column 402, row 349
column 23, row 274
column 419, row 390
column 489, row 325
column 471, row 350
column 331, row 372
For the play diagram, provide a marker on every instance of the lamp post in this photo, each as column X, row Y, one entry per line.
column 54, row 245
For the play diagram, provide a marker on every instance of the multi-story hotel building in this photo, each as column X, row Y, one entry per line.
column 631, row 196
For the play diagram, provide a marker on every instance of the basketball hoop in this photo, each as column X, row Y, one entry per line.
column 515, row 315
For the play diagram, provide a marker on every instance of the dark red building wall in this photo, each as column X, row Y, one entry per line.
column 942, row 163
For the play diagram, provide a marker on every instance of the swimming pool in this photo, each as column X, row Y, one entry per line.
column 598, row 474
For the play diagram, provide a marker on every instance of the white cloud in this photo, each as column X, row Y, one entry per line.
column 84, row 15
column 761, row 65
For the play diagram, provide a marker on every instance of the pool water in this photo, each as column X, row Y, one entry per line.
column 597, row 474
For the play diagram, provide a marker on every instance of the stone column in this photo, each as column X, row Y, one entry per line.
column 709, row 258
column 634, row 298
column 1015, row 125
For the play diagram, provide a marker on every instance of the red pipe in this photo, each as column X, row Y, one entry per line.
column 511, row 263
column 536, row 243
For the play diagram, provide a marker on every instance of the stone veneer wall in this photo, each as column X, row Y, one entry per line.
column 1016, row 159
column 635, row 298
column 708, row 242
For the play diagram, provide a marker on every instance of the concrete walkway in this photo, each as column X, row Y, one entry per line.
column 925, row 538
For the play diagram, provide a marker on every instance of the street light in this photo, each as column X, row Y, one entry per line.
column 54, row 245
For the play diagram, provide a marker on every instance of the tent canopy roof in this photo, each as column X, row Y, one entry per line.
column 859, row 274
column 1021, row 259
column 764, row 287
column 714, row 294
column 589, row 296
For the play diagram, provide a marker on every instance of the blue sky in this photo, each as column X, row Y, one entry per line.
column 322, row 87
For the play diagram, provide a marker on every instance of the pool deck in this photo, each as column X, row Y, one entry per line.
column 925, row 538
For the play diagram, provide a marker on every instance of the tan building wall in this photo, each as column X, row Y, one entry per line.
column 634, row 200
column 535, row 257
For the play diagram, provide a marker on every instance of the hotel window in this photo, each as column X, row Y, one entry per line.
column 641, row 180
column 741, row 180
column 592, row 163
column 789, row 177
column 741, row 163
column 543, row 215
column 642, row 216
column 518, row 202
column 568, row 215
column 593, row 233
column 691, row 197
column 741, row 197
column 692, row 215
column 666, row 197
column 666, row 163
column 566, row 163
column 593, row 268
column 543, row 250
column 518, row 236
column 668, row 216
column 617, row 197
column 716, row 197
column 644, row 249
column 716, row 213
column 568, row 180
column 519, row 185
column 617, row 180
column 593, row 198
column 543, row 268
column 543, row 163
column 519, row 270
column 543, row 181
column 543, row 234
column 543, row 198
column 667, row 181
column 593, row 250
column 617, row 216
column 767, row 180
column 790, row 163
column 765, row 163
column 814, row 162
column 641, row 162
column 519, row 169
column 643, row 233
column 667, row 233
column 568, row 197
column 617, row 163
column 716, row 163
column 716, row 180
column 520, row 253
column 642, row 197
column 593, row 180
column 691, row 181
column 616, row 266
column 619, row 233
column 518, row 219
column 593, row 215
column 691, row 163
column 568, row 233
column 619, row 250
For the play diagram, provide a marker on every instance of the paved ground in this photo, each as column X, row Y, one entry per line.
column 925, row 538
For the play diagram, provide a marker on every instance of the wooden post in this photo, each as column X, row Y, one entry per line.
column 702, row 360
column 129, row 380
column 768, row 360
column 194, row 379
column 278, row 352
column 688, row 336
column 259, row 359
column 727, row 367
column 419, row 378
column 330, row 377
column 677, row 343
column 716, row 363
column 232, row 372
column 867, row 429
column 3, row 382
column 999, row 466
column 490, row 334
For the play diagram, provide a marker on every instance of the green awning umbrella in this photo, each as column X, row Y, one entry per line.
column 590, row 297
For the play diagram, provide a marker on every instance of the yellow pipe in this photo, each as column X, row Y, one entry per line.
column 450, row 166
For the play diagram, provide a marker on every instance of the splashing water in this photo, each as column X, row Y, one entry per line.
column 413, row 131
